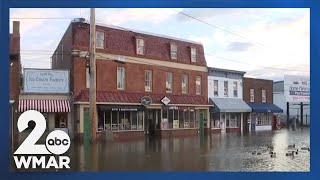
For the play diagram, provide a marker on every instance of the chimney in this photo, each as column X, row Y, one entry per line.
column 16, row 28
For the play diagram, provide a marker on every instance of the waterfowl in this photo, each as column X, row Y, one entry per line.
column 273, row 155
column 292, row 146
column 259, row 153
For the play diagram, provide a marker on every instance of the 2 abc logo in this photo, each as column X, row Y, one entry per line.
column 57, row 143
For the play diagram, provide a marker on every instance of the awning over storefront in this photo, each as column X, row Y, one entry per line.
column 135, row 98
column 44, row 105
column 265, row 107
column 229, row 105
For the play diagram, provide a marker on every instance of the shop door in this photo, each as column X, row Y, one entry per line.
column 223, row 122
column 253, row 122
column 86, row 125
column 150, row 122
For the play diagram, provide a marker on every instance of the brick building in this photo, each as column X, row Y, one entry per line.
column 132, row 67
column 15, row 73
column 258, row 93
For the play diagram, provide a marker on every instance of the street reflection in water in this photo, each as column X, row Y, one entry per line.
column 220, row 152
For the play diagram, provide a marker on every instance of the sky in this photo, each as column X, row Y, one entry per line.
column 266, row 43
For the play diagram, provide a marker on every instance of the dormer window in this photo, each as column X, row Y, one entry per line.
column 140, row 46
column 173, row 51
column 193, row 55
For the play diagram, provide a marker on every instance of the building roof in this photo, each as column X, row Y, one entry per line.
column 133, row 98
column 226, row 70
column 122, row 41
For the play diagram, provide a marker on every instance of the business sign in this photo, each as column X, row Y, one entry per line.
column 146, row 101
column 165, row 100
column 297, row 88
column 46, row 81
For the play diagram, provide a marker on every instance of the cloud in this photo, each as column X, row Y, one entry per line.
column 239, row 46
column 122, row 16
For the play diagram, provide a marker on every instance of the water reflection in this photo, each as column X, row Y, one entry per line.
column 220, row 152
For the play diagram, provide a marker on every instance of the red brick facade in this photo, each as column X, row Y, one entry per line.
column 15, row 65
column 122, row 42
column 258, row 85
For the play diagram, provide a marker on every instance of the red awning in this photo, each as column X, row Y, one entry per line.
column 126, row 97
column 44, row 105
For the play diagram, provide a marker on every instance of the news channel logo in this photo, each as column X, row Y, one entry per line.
column 30, row 155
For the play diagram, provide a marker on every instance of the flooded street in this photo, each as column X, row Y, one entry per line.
column 220, row 152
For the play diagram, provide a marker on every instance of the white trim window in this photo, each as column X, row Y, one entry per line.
column 148, row 81
column 193, row 55
column 169, row 84
column 184, row 83
column 251, row 95
column 264, row 96
column 235, row 89
column 198, row 85
column 225, row 88
column 140, row 46
column 173, row 51
column 215, row 88
column 99, row 40
column 121, row 78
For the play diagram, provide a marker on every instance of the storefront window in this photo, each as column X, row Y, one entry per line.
column 134, row 121
column 263, row 119
column 61, row 120
column 140, row 120
column 186, row 119
column 233, row 120
column 100, row 120
column 107, row 117
column 215, row 120
column 114, row 121
column 181, row 118
column 192, row 117
column 170, row 118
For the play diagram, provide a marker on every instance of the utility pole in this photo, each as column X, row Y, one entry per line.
column 92, row 91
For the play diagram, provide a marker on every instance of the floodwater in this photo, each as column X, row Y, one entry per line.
column 220, row 152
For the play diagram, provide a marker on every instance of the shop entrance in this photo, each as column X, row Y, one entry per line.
column 152, row 120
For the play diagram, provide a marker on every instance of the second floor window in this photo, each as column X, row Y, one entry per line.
column 173, row 51
column 193, row 54
column 87, row 78
column 251, row 95
column 225, row 88
column 264, row 96
column 140, row 46
column 121, row 78
column 215, row 88
column 235, row 89
column 198, row 85
column 184, row 83
column 169, row 85
column 99, row 40
column 148, row 81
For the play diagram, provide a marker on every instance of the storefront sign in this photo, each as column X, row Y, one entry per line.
column 124, row 109
column 297, row 88
column 46, row 81
column 146, row 100
column 173, row 107
column 165, row 100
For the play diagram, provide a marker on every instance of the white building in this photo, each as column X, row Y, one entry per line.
column 225, row 93
column 294, row 90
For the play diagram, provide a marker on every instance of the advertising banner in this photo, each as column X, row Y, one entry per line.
column 46, row 81
column 297, row 88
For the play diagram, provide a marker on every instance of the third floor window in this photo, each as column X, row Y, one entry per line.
column 140, row 46
column 99, row 40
